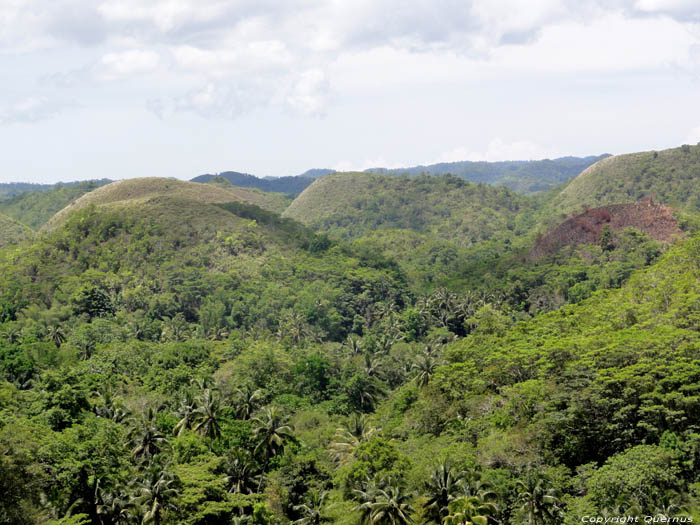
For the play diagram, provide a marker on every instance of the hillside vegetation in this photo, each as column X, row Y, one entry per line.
column 669, row 177
column 12, row 232
column 138, row 191
column 35, row 208
column 350, row 205
column 181, row 353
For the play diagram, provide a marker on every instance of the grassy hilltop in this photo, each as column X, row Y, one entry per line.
column 350, row 205
column 670, row 176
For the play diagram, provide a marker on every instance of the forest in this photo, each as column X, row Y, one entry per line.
column 387, row 350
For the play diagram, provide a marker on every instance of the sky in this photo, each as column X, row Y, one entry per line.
column 177, row 88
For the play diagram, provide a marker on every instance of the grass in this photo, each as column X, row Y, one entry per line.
column 138, row 191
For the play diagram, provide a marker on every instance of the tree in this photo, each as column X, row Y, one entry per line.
column 389, row 505
column 55, row 334
column 358, row 430
column 187, row 414
column 425, row 367
column 469, row 510
column 146, row 439
column 441, row 489
column 272, row 432
column 240, row 472
column 537, row 500
column 207, row 416
column 312, row 511
column 246, row 401
column 155, row 493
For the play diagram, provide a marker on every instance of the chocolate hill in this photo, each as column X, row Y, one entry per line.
column 645, row 215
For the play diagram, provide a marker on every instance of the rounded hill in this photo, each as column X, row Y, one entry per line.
column 141, row 190
column 350, row 205
column 671, row 177
column 12, row 232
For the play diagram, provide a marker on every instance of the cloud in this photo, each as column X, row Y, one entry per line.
column 693, row 136
column 498, row 150
column 126, row 63
column 680, row 9
column 29, row 109
column 231, row 56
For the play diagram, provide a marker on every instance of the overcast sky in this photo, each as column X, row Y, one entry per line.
column 128, row 88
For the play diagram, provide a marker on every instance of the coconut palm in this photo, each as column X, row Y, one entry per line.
column 11, row 335
column 146, row 439
column 272, row 432
column 312, row 511
column 240, row 472
column 55, row 334
column 186, row 414
column 348, row 438
column 354, row 345
column 208, row 416
column 391, row 506
column 108, row 409
column 537, row 500
column 425, row 367
column 112, row 505
column 443, row 486
column 469, row 510
column 247, row 400
column 153, row 496
column 670, row 504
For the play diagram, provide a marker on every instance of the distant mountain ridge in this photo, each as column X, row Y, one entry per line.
column 523, row 176
column 292, row 185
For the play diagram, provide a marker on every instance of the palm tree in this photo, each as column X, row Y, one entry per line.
column 373, row 366
column 538, row 500
column 112, row 506
column 670, row 504
column 146, row 439
column 391, row 506
column 240, row 472
column 187, row 415
column 11, row 335
column 354, row 345
column 469, row 510
column 108, row 409
column 312, row 511
column 348, row 438
column 425, row 367
column 271, row 434
column 55, row 334
column 441, row 489
column 207, row 415
column 154, row 495
column 247, row 400
column 367, row 497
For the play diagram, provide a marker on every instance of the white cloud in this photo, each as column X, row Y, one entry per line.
column 693, row 137
column 127, row 63
column 376, row 162
column 309, row 95
column 498, row 150
column 29, row 109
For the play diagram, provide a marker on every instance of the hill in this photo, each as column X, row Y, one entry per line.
column 291, row 185
column 12, row 232
column 671, row 177
column 350, row 205
column 521, row 175
column 138, row 191
column 35, row 208
column 586, row 228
